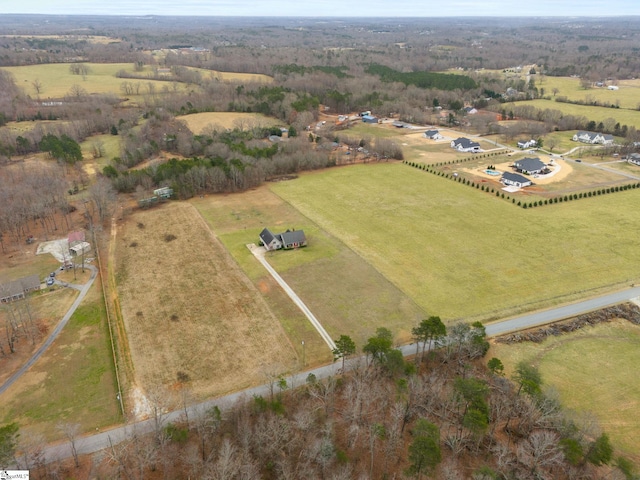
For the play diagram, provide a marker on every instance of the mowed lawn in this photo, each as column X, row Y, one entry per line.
column 595, row 372
column 344, row 292
column 73, row 382
column 463, row 254
column 192, row 316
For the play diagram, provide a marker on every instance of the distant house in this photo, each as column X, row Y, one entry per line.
column 634, row 158
column 593, row 138
column 527, row 143
column 433, row 135
column 17, row 289
column 163, row 192
column 369, row 119
column 399, row 124
column 530, row 166
column 515, row 180
column 286, row 240
column 463, row 144
column 80, row 249
column 470, row 111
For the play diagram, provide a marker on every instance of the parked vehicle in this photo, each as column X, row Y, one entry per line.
column 50, row 281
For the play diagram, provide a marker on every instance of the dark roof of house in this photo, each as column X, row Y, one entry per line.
column 266, row 236
column 17, row 287
column 530, row 164
column 295, row 236
column 514, row 177
column 465, row 142
column 431, row 133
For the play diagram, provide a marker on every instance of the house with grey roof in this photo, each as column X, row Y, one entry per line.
column 634, row 158
column 593, row 138
column 17, row 289
column 463, row 144
column 433, row 135
column 515, row 179
column 285, row 240
column 530, row 166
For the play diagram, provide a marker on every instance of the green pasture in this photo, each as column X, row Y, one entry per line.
column 595, row 372
column 627, row 95
column 597, row 114
column 343, row 291
column 464, row 254
column 57, row 80
column 73, row 382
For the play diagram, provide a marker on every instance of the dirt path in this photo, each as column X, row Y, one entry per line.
column 258, row 252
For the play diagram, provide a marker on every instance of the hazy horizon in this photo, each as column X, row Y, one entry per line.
column 327, row 8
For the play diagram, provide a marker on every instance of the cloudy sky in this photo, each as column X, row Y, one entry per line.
column 332, row 8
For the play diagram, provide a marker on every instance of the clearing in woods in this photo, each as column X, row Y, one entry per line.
column 192, row 316
column 198, row 122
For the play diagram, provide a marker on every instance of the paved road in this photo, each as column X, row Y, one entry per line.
column 56, row 331
column 102, row 440
column 560, row 313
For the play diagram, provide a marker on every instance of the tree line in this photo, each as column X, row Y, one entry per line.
column 445, row 413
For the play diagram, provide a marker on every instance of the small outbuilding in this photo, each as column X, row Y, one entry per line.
column 369, row 119
column 80, row 249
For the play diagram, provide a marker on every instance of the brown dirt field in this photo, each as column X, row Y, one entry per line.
column 188, row 307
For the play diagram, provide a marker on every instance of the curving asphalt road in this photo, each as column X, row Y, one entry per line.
column 105, row 439
column 56, row 331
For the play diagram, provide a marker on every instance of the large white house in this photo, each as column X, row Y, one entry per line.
column 593, row 138
column 463, row 144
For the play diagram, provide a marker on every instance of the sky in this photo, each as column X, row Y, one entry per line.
column 326, row 8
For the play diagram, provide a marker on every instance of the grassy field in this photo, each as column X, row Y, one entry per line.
column 460, row 253
column 192, row 316
column 73, row 382
column 198, row 122
column 597, row 114
column 343, row 291
column 57, row 80
column 595, row 371
column 627, row 96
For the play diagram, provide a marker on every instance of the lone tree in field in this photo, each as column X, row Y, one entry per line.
column 344, row 347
